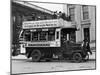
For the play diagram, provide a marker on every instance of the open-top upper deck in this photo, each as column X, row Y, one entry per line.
column 47, row 24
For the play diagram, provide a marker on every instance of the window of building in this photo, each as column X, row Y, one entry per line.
column 87, row 34
column 73, row 36
column 85, row 12
column 72, row 13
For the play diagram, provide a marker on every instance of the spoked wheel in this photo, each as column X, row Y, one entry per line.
column 36, row 55
column 77, row 57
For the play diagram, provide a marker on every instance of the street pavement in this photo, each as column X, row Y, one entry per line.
column 93, row 56
column 20, row 64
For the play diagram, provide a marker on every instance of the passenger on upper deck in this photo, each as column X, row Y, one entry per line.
column 64, row 16
column 54, row 15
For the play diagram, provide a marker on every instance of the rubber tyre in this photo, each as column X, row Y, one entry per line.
column 77, row 57
column 36, row 55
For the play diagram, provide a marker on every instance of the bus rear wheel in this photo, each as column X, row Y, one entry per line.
column 36, row 55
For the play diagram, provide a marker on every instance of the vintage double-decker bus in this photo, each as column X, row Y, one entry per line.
column 45, row 39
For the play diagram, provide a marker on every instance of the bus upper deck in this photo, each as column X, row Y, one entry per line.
column 46, row 33
column 54, row 23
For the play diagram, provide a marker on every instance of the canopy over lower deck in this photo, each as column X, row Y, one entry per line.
column 55, row 23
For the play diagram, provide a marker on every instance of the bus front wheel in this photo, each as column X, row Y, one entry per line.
column 77, row 57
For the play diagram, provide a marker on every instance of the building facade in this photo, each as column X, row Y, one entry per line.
column 84, row 17
column 24, row 11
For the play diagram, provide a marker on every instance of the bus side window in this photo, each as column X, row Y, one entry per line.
column 57, row 36
column 27, row 36
column 35, row 36
column 51, row 36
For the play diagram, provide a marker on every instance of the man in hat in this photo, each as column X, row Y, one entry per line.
column 86, row 47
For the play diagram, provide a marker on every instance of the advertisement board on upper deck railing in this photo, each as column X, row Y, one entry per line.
column 40, row 24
